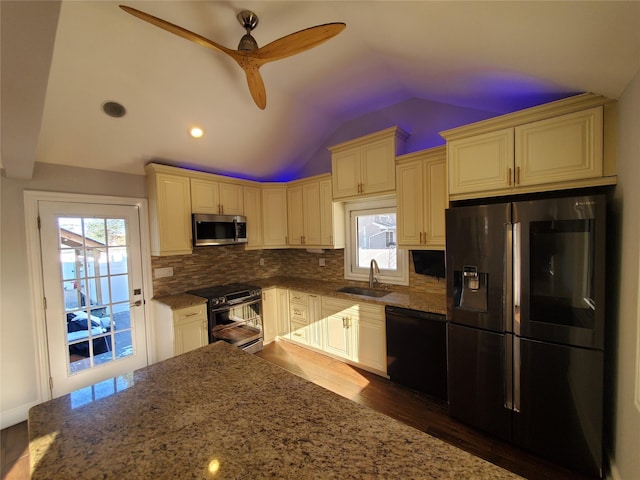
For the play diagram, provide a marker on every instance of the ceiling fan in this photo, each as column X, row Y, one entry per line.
column 249, row 56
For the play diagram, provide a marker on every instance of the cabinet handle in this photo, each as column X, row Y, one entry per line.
column 517, row 175
column 192, row 314
column 509, row 175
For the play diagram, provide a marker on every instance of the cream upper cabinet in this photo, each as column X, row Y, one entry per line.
column 253, row 212
column 565, row 144
column 559, row 149
column 169, row 211
column 274, row 215
column 209, row 196
column 295, row 215
column 332, row 227
column 422, row 199
column 481, row 163
column 366, row 165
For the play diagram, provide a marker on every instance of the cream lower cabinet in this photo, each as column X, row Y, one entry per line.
column 305, row 319
column 571, row 150
column 355, row 332
column 371, row 339
column 169, row 211
column 275, row 313
column 422, row 199
column 269, row 314
column 179, row 331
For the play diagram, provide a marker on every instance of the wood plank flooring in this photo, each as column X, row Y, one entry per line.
column 410, row 407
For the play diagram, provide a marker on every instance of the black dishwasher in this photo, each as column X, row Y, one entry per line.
column 417, row 350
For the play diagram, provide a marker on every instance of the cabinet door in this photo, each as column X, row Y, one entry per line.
column 331, row 218
column 311, row 213
column 295, row 215
column 481, row 163
column 559, row 149
column 205, row 196
column 378, row 167
column 315, row 322
column 190, row 335
column 337, row 335
column 345, row 167
column 269, row 314
column 253, row 212
column 274, row 208
column 190, row 328
column 436, row 203
column 231, row 199
column 371, row 342
column 283, row 312
column 171, row 214
column 410, row 203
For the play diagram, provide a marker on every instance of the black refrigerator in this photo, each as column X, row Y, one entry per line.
column 525, row 324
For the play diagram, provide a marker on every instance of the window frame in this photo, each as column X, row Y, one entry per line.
column 351, row 269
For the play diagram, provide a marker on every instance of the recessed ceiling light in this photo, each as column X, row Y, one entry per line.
column 114, row 109
column 196, row 132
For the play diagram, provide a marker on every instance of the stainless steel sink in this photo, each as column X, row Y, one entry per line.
column 369, row 292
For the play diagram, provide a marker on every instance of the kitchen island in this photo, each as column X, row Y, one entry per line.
column 218, row 412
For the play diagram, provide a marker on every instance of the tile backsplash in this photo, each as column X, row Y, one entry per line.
column 228, row 264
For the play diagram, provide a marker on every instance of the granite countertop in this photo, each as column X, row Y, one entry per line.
column 218, row 412
column 399, row 296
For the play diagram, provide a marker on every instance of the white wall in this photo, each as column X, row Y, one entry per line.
column 625, row 454
column 18, row 374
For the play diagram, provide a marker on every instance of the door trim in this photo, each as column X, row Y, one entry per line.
column 36, row 282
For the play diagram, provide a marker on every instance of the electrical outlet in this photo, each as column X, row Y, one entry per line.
column 321, row 262
column 163, row 272
column 262, row 262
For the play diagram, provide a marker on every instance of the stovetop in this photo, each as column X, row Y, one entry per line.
column 229, row 290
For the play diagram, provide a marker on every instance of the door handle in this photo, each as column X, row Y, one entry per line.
column 137, row 303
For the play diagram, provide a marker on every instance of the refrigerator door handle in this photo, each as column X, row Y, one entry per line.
column 507, row 293
column 517, row 252
column 516, row 374
column 508, row 372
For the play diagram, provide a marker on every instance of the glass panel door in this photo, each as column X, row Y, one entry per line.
column 93, row 289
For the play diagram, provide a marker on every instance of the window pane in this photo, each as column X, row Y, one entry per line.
column 376, row 240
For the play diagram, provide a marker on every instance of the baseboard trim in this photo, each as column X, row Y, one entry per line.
column 614, row 474
column 16, row 415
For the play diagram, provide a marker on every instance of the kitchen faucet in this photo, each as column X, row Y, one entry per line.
column 373, row 268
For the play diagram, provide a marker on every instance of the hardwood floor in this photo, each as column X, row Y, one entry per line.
column 408, row 406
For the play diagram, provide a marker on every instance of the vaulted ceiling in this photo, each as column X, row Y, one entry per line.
column 424, row 65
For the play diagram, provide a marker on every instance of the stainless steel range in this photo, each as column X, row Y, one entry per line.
column 234, row 312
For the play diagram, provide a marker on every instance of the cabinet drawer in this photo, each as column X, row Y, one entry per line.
column 299, row 313
column 299, row 332
column 298, row 298
column 190, row 314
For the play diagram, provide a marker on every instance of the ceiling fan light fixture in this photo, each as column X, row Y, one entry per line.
column 114, row 109
column 247, row 43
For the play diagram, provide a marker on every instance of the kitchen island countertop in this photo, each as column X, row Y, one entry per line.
column 218, row 412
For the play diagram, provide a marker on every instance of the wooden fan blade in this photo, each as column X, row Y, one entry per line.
column 297, row 42
column 181, row 32
column 256, row 84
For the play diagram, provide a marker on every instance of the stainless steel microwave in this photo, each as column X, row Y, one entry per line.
column 218, row 229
